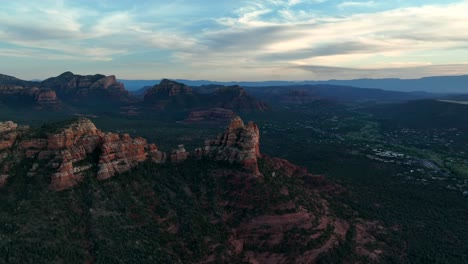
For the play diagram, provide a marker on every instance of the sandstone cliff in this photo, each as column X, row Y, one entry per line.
column 72, row 150
column 88, row 89
column 168, row 88
column 236, row 98
column 170, row 94
column 31, row 96
column 238, row 144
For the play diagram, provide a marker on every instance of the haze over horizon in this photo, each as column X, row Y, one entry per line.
column 235, row 40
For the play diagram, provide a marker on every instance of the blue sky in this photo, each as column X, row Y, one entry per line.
column 234, row 39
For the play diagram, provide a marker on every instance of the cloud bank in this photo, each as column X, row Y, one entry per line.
column 235, row 40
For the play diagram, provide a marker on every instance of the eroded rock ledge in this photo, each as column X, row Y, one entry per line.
column 72, row 149
column 239, row 143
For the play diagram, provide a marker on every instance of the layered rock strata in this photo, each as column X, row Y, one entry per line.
column 28, row 95
column 72, row 151
column 84, row 88
column 240, row 143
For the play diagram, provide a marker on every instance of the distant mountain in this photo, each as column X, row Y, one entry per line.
column 10, row 80
column 20, row 93
column 24, row 96
column 92, row 90
column 232, row 97
column 171, row 94
column 88, row 89
column 306, row 93
column 140, row 92
column 434, row 84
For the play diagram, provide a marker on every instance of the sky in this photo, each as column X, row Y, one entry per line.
column 234, row 40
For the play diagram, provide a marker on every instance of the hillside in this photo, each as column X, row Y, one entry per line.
column 226, row 202
column 88, row 89
column 174, row 95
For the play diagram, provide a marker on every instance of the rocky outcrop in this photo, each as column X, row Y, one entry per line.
column 168, row 88
column 72, row 150
column 76, row 148
column 88, row 89
column 8, row 134
column 169, row 94
column 236, row 98
column 238, row 144
column 179, row 155
column 120, row 153
column 285, row 167
column 33, row 96
column 47, row 96
column 7, row 127
column 215, row 115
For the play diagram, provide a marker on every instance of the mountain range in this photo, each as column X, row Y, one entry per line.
column 70, row 90
column 433, row 84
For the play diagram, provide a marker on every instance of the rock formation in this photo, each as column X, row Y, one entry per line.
column 20, row 95
column 169, row 94
column 87, row 89
column 178, row 95
column 168, row 88
column 238, row 144
column 8, row 134
column 120, row 153
column 76, row 148
column 179, row 155
column 72, row 150
column 47, row 96
column 236, row 98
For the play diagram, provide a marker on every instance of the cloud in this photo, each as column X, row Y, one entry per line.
column 341, row 73
column 394, row 33
column 347, row 47
column 356, row 4
column 259, row 39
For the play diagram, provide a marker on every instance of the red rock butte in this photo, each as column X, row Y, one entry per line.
column 71, row 149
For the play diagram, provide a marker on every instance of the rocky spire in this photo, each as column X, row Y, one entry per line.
column 238, row 144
